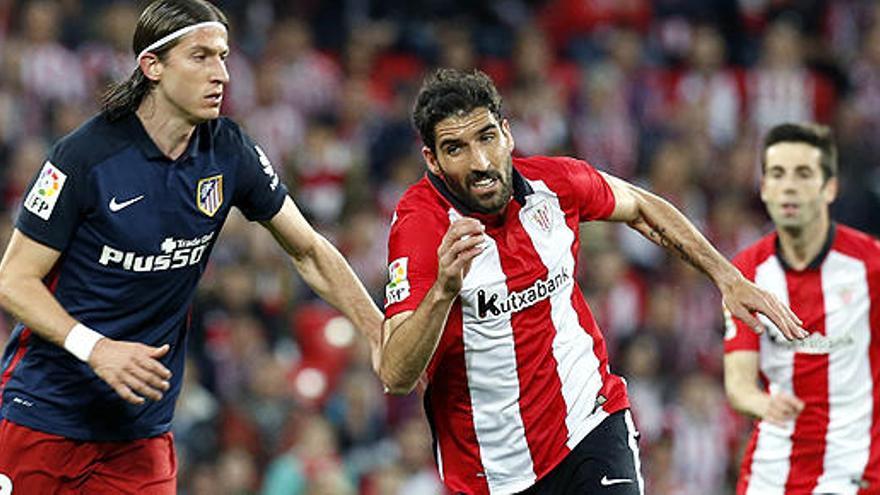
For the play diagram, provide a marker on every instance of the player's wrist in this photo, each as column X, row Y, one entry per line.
column 81, row 340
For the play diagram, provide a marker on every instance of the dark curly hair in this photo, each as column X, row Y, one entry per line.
column 448, row 92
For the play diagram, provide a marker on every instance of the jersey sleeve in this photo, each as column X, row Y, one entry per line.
column 54, row 204
column 259, row 192
column 592, row 194
column 412, row 261
column 737, row 335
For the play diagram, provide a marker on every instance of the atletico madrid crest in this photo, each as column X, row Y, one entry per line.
column 209, row 194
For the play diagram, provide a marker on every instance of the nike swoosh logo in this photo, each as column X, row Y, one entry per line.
column 614, row 481
column 114, row 206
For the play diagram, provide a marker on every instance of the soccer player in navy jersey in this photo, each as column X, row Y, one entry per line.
column 111, row 240
column 482, row 303
column 817, row 400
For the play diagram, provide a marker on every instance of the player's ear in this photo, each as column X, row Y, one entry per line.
column 431, row 160
column 151, row 66
column 505, row 128
column 829, row 190
column 763, row 186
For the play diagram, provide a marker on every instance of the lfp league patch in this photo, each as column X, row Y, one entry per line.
column 398, row 286
column 44, row 194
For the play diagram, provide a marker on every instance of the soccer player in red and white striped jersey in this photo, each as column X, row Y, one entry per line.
column 818, row 402
column 482, row 303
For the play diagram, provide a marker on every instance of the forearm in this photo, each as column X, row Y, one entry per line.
column 410, row 344
column 31, row 302
column 748, row 399
column 325, row 270
column 664, row 225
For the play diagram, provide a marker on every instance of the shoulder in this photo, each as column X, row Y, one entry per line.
column 751, row 257
column 421, row 207
column 559, row 173
column 91, row 143
column 226, row 133
column 229, row 140
column 552, row 168
column 856, row 243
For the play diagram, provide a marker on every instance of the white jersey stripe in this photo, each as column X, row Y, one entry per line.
column 490, row 358
column 845, row 291
column 577, row 365
column 634, row 447
column 770, row 462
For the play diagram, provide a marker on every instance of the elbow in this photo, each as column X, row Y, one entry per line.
column 394, row 383
column 400, row 389
column 7, row 290
column 736, row 399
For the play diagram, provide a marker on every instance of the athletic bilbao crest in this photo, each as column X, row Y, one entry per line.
column 209, row 195
column 540, row 215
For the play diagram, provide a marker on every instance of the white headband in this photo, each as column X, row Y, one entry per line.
column 177, row 34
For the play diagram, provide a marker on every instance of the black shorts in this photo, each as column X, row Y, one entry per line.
column 606, row 462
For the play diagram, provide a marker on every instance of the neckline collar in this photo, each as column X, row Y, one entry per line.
column 148, row 147
column 521, row 190
column 816, row 262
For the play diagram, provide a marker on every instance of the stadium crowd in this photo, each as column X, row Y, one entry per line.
column 279, row 397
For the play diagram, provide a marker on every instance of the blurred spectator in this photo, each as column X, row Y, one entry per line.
column 310, row 80
column 642, row 368
column 273, row 122
column 781, row 87
column 701, row 428
column 312, row 462
column 710, row 89
column 49, row 71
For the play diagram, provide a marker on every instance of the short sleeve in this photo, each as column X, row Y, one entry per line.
column 412, row 261
column 737, row 335
column 53, row 206
column 593, row 195
column 259, row 192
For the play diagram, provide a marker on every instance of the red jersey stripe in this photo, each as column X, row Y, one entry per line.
column 542, row 406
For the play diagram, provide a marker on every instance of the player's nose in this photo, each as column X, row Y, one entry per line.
column 480, row 161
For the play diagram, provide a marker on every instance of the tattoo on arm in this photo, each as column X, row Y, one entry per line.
column 658, row 236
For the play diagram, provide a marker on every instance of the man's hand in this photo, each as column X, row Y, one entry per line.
column 464, row 240
column 782, row 408
column 132, row 369
column 743, row 299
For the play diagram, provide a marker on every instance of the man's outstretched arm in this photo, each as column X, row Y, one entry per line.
column 661, row 223
column 326, row 271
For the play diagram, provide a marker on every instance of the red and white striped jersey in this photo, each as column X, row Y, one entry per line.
column 833, row 446
column 521, row 372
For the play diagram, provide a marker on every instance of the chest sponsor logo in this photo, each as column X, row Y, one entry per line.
column 209, row 194
column 490, row 304
column 44, row 194
column 398, row 285
column 175, row 253
column 815, row 343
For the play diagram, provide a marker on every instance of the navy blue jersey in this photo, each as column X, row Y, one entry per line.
column 135, row 230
